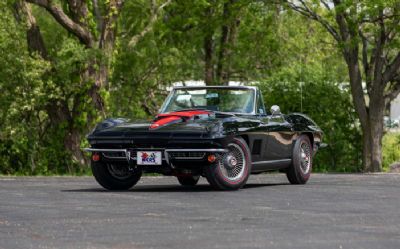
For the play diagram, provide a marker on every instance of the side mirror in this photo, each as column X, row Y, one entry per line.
column 275, row 110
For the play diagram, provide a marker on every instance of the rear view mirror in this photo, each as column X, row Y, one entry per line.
column 275, row 110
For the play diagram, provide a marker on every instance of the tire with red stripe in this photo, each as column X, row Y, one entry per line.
column 300, row 170
column 232, row 169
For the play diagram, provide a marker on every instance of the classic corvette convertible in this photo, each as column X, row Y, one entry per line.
column 222, row 133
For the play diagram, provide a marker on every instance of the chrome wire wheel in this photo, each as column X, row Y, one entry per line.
column 300, row 168
column 232, row 165
column 232, row 168
column 120, row 172
column 305, row 158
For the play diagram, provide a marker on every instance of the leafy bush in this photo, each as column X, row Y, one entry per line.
column 328, row 104
column 391, row 149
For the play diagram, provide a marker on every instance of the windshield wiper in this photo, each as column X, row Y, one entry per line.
column 225, row 113
column 192, row 109
column 205, row 109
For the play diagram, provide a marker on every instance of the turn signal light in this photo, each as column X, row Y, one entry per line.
column 96, row 157
column 211, row 158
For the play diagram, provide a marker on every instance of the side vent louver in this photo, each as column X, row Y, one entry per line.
column 256, row 147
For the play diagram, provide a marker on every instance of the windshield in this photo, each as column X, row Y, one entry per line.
column 215, row 99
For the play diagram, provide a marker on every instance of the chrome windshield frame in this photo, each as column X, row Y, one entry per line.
column 253, row 88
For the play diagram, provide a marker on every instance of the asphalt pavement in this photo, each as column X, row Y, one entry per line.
column 331, row 211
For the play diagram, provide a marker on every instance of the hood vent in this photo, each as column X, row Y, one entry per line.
column 165, row 119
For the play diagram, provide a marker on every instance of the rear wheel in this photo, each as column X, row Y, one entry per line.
column 188, row 180
column 300, row 170
column 232, row 169
column 114, row 176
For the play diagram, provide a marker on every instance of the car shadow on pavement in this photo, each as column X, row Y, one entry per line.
column 169, row 188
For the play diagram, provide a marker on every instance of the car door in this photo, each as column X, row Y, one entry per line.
column 280, row 137
column 271, row 142
column 278, row 133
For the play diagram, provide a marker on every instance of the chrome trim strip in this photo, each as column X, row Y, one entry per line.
column 200, row 87
column 115, row 157
column 166, row 151
column 197, row 150
column 166, row 155
column 188, row 158
column 105, row 150
column 149, row 149
column 272, row 161
column 191, row 150
column 171, row 93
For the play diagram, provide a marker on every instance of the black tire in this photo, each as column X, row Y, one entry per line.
column 231, row 170
column 115, row 176
column 300, row 169
column 188, row 181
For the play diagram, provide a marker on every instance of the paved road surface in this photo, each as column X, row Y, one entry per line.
column 332, row 211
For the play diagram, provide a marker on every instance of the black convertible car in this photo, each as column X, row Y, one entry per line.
column 220, row 132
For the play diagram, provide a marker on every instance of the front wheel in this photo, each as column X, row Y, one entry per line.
column 300, row 170
column 113, row 176
column 232, row 169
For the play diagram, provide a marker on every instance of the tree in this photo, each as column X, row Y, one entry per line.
column 95, row 27
column 48, row 73
column 217, row 23
column 367, row 34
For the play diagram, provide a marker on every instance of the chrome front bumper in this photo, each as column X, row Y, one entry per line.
column 128, row 152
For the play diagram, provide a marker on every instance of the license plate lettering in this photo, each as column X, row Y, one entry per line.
column 149, row 157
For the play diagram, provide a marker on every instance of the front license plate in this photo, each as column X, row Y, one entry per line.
column 149, row 158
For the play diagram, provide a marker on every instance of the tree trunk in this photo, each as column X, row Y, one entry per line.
column 366, row 153
column 369, row 118
column 227, row 43
column 376, row 147
column 372, row 146
column 208, row 45
column 58, row 113
column 222, row 73
column 72, row 143
column 208, row 60
column 376, row 113
column 380, row 60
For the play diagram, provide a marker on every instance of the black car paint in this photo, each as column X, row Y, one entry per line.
column 269, row 137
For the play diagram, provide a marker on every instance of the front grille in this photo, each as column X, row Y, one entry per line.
column 188, row 155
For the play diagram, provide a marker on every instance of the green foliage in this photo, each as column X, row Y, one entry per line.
column 329, row 106
column 21, row 78
column 391, row 149
column 31, row 143
column 308, row 80
column 276, row 48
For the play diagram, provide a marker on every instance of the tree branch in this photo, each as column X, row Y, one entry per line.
column 393, row 92
column 307, row 12
column 149, row 27
column 379, row 58
column 97, row 13
column 366, row 64
column 392, row 69
column 107, row 37
column 341, row 21
column 82, row 33
column 34, row 36
column 325, row 4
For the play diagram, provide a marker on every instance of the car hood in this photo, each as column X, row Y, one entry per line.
column 193, row 123
column 200, row 122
